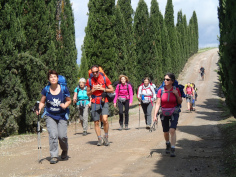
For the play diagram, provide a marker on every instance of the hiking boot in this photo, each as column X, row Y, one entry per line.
column 120, row 128
column 167, row 148
column 85, row 133
column 172, row 152
column 148, row 127
column 63, row 155
column 99, row 142
column 105, row 141
column 126, row 127
column 53, row 160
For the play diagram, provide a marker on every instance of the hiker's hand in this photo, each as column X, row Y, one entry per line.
column 154, row 119
column 89, row 104
column 115, row 105
column 130, row 104
column 74, row 100
column 38, row 112
column 139, row 99
column 63, row 106
column 175, row 92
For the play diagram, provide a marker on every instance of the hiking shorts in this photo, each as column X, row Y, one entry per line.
column 189, row 99
column 100, row 109
column 168, row 123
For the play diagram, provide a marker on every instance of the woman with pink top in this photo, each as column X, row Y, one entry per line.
column 124, row 95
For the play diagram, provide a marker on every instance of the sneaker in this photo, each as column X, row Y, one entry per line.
column 167, row 148
column 53, row 160
column 120, row 128
column 172, row 152
column 85, row 133
column 148, row 127
column 106, row 142
column 126, row 127
column 99, row 142
column 63, row 155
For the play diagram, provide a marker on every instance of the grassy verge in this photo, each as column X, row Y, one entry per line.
column 205, row 49
column 228, row 130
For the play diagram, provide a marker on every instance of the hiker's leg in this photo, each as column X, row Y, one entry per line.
column 144, row 106
column 85, row 118
column 105, row 113
column 165, row 126
column 62, row 134
column 126, row 112
column 81, row 116
column 96, row 117
column 120, row 106
column 53, row 136
column 149, row 114
column 173, row 127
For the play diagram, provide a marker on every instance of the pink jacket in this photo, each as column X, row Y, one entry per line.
column 121, row 91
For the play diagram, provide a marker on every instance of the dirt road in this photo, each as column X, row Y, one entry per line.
column 135, row 152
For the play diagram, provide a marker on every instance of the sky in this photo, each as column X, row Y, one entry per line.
column 206, row 11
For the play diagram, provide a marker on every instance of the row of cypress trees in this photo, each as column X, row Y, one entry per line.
column 137, row 44
column 35, row 36
column 227, row 51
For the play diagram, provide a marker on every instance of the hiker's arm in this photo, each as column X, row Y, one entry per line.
column 158, row 103
column 109, row 89
column 178, row 97
column 66, row 104
column 41, row 104
column 75, row 97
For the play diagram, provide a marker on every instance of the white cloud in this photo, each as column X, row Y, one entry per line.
column 206, row 12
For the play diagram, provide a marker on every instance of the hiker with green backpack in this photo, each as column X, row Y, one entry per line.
column 56, row 96
column 83, row 102
column 168, row 104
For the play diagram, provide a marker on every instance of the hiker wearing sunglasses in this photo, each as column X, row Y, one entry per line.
column 168, row 101
column 146, row 95
column 124, row 95
column 97, row 86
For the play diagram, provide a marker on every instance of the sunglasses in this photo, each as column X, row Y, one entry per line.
column 95, row 72
column 166, row 79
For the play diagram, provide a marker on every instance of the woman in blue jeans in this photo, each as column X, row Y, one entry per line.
column 57, row 99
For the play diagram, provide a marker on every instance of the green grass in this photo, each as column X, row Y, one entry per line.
column 205, row 49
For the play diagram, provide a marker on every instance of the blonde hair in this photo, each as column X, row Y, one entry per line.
column 126, row 78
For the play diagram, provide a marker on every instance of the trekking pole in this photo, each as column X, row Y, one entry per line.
column 38, row 132
column 139, row 115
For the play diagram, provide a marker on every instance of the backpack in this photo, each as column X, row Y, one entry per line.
column 82, row 102
column 63, row 84
column 128, row 83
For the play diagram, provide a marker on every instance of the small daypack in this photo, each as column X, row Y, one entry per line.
column 63, row 84
column 82, row 97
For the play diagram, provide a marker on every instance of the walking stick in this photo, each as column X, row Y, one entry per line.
column 139, row 115
column 38, row 132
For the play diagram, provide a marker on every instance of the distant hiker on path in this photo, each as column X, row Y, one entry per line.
column 124, row 95
column 97, row 86
column 146, row 95
column 168, row 100
column 57, row 99
column 82, row 100
column 202, row 72
column 189, row 91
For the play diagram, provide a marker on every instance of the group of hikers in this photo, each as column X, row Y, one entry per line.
column 96, row 92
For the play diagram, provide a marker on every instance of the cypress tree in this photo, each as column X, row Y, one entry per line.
column 141, row 36
column 155, row 39
column 169, row 22
column 100, row 39
column 196, row 35
column 127, row 13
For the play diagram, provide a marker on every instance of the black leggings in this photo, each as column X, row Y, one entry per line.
column 120, row 105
